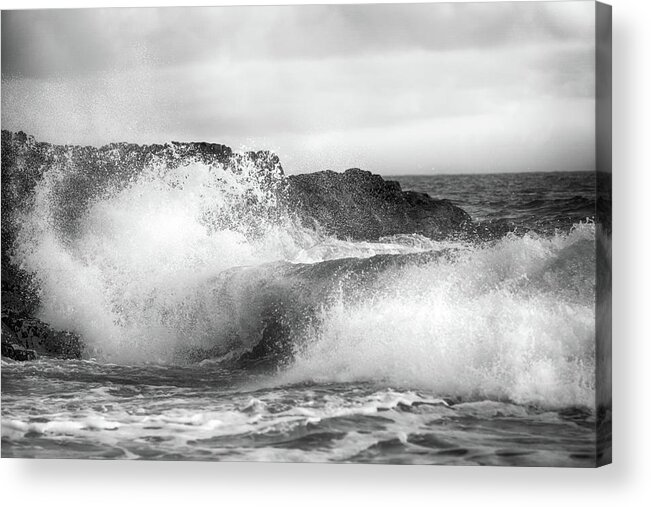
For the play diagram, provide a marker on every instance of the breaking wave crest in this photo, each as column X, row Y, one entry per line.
column 511, row 320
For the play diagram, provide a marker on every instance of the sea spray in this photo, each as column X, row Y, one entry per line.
column 124, row 274
column 511, row 320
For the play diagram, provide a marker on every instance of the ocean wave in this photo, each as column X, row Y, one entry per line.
column 513, row 320
column 193, row 262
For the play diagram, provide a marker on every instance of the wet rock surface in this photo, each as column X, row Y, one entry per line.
column 360, row 205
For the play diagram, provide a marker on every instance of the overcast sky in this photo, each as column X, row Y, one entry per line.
column 420, row 88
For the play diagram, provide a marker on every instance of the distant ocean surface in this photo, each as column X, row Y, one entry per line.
column 483, row 355
column 542, row 202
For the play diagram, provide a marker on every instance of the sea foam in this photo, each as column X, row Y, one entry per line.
column 511, row 320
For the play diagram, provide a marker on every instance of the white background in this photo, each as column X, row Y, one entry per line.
column 626, row 482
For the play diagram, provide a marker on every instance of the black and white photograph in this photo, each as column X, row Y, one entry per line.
column 374, row 233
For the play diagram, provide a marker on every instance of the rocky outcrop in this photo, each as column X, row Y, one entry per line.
column 17, row 352
column 25, row 338
column 355, row 204
column 90, row 171
column 360, row 205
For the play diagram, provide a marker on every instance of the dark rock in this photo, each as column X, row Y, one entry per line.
column 91, row 171
column 36, row 336
column 12, row 348
column 17, row 353
column 360, row 205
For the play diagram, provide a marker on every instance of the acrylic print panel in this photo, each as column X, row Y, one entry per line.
column 334, row 233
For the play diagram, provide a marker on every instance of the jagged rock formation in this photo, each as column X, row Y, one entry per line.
column 360, row 205
column 92, row 170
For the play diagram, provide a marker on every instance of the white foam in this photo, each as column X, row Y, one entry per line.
column 499, row 322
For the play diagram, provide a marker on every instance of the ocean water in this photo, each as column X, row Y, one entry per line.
column 404, row 350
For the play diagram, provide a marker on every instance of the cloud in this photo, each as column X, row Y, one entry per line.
column 462, row 87
column 43, row 43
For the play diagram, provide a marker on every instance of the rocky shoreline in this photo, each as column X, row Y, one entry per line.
column 355, row 205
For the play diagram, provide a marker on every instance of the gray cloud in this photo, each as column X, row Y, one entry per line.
column 500, row 86
column 48, row 42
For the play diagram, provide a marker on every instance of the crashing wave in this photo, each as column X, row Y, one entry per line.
column 184, row 252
